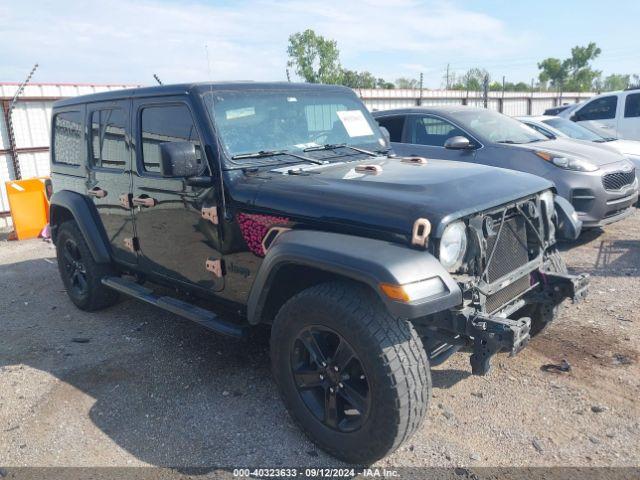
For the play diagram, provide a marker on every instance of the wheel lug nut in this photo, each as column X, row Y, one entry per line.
column 324, row 364
column 331, row 389
column 361, row 377
column 336, row 368
column 321, row 377
column 340, row 385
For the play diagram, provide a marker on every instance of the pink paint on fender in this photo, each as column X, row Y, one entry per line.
column 254, row 228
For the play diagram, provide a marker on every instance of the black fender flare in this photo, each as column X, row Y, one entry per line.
column 85, row 214
column 365, row 260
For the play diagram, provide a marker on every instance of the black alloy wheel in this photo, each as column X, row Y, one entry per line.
column 330, row 379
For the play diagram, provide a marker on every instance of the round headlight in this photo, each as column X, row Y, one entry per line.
column 453, row 246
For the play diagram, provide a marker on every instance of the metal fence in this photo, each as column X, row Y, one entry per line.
column 31, row 118
column 509, row 103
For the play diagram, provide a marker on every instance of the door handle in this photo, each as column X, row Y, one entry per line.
column 144, row 201
column 97, row 192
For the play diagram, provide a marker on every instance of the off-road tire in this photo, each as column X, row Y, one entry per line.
column 543, row 314
column 391, row 354
column 96, row 296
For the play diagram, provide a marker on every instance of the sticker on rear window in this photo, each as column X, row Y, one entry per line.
column 354, row 123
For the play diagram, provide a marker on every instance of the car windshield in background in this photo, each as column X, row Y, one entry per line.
column 252, row 124
column 573, row 130
column 497, row 127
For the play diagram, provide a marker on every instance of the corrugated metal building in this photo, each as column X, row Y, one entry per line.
column 31, row 121
column 31, row 118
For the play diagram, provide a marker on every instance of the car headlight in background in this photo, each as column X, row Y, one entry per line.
column 453, row 245
column 567, row 162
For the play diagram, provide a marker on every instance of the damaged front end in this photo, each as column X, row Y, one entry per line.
column 512, row 281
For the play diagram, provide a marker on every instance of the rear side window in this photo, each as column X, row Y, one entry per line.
column 108, row 147
column 599, row 109
column 67, row 138
column 632, row 106
column 394, row 125
column 167, row 123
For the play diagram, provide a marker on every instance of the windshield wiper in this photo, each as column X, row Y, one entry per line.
column 259, row 154
column 275, row 153
column 332, row 146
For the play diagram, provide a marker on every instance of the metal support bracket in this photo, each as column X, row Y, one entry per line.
column 492, row 334
column 211, row 214
column 125, row 200
column 215, row 266
column 132, row 244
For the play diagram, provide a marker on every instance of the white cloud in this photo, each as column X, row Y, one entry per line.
column 119, row 40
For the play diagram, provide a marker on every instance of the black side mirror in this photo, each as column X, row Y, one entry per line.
column 179, row 159
column 457, row 143
column 385, row 134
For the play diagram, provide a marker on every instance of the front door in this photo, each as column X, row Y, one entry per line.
column 109, row 179
column 629, row 117
column 174, row 240
column 425, row 136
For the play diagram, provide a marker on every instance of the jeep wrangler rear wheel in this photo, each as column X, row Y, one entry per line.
column 355, row 380
column 80, row 273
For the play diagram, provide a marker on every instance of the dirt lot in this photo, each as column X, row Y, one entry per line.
column 137, row 386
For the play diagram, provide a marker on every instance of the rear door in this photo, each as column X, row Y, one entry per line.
column 175, row 241
column 629, row 117
column 599, row 115
column 425, row 135
column 109, row 177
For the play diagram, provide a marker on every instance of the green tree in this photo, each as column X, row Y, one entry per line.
column 403, row 82
column 314, row 58
column 574, row 73
column 615, row 82
column 553, row 71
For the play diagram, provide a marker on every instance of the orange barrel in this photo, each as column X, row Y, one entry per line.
column 29, row 206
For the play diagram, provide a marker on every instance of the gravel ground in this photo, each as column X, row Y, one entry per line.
column 134, row 385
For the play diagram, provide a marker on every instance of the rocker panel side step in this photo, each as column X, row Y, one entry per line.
column 196, row 314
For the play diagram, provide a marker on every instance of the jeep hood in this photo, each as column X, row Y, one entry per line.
column 389, row 201
column 566, row 146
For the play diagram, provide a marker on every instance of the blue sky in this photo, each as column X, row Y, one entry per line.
column 124, row 41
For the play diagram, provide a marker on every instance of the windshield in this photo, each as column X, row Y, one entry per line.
column 573, row 130
column 497, row 127
column 253, row 121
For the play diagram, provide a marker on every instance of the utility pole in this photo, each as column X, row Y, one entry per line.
column 448, row 84
column 485, row 91
column 288, row 76
column 9, row 121
column 421, row 85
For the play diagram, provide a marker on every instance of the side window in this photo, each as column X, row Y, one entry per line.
column 599, row 109
column 432, row 131
column 632, row 105
column 67, row 138
column 166, row 123
column 108, row 147
column 394, row 125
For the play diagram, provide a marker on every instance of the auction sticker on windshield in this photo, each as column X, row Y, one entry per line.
column 355, row 123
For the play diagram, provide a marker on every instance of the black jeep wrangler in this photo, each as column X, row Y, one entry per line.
column 282, row 203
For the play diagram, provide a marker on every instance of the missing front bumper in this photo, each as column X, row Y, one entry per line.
column 490, row 334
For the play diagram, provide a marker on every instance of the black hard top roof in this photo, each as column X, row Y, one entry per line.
column 183, row 88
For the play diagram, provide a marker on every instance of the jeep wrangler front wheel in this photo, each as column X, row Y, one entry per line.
column 80, row 273
column 355, row 380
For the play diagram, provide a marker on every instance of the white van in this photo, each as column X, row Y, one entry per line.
column 613, row 114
